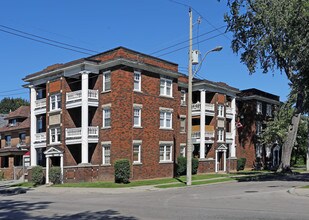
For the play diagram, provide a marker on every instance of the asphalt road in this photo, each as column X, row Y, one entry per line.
column 234, row 200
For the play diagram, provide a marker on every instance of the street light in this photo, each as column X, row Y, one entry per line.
column 190, row 76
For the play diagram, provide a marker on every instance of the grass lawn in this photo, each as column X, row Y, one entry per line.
column 24, row 184
column 305, row 187
column 180, row 180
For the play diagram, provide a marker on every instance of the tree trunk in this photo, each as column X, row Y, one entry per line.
column 289, row 144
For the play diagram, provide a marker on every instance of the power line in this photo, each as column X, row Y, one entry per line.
column 33, row 39
column 47, row 39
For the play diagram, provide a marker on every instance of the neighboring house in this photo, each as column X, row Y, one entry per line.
column 255, row 108
column 88, row 113
column 15, row 142
column 3, row 122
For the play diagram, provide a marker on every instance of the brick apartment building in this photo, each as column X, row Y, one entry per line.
column 15, row 143
column 88, row 113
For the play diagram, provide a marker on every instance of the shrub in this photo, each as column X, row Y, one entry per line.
column 241, row 162
column 181, row 166
column 1, row 175
column 37, row 175
column 194, row 165
column 55, row 175
column 122, row 171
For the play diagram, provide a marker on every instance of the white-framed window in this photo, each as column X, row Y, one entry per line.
column 183, row 150
column 137, row 81
column 269, row 110
column 182, row 124
column 106, row 81
column 258, row 108
column 183, row 97
column 55, row 102
column 220, row 135
column 166, row 118
column 137, row 153
column 55, row 135
column 106, row 153
column 137, row 116
column 166, row 152
column 166, row 87
column 220, row 111
column 107, row 117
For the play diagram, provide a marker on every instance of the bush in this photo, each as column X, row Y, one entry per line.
column 181, row 166
column 241, row 162
column 55, row 175
column 1, row 175
column 194, row 165
column 122, row 171
column 37, row 175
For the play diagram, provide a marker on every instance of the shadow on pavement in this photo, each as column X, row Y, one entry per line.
column 7, row 191
column 10, row 209
column 303, row 177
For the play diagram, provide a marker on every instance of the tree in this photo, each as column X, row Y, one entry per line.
column 11, row 104
column 273, row 34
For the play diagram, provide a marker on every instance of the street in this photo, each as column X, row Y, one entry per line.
column 232, row 200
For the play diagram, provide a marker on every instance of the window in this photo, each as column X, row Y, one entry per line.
column 136, row 153
column 106, row 154
column 183, row 150
column 165, row 152
column 269, row 110
column 106, row 81
column 55, row 135
column 183, row 124
column 166, row 87
column 8, row 139
column 137, row 81
column 22, row 138
column 183, row 97
column 220, row 135
column 166, row 118
column 137, row 116
column 55, row 102
column 220, row 111
column 258, row 128
column 258, row 108
column 106, row 117
column 12, row 122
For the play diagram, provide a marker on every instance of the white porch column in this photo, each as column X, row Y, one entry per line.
column 33, row 154
column 61, row 167
column 47, row 170
column 224, row 160
column 233, row 128
column 85, row 79
column 216, row 161
column 202, row 124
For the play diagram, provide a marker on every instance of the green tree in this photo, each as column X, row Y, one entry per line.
column 11, row 104
column 273, row 34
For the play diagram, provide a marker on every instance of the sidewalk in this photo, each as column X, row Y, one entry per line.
column 299, row 192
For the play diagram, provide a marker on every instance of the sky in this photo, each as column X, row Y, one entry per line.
column 156, row 27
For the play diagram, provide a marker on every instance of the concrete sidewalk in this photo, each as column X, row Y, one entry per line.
column 299, row 191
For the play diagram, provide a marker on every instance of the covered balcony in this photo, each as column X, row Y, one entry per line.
column 209, row 134
column 209, row 109
column 229, row 112
column 74, row 135
column 40, row 106
column 228, row 137
column 74, row 99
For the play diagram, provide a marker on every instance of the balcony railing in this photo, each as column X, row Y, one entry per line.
column 208, row 107
column 75, row 134
column 40, row 104
column 228, row 136
column 40, row 137
column 77, row 95
column 208, row 134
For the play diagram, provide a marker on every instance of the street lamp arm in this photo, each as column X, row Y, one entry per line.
column 216, row 49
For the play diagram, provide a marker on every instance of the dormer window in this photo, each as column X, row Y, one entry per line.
column 12, row 122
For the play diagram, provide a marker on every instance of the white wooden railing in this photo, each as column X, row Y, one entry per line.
column 77, row 95
column 76, row 133
column 40, row 137
column 228, row 136
column 208, row 106
column 208, row 134
column 229, row 110
column 40, row 103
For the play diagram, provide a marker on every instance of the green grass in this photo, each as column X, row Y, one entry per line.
column 305, row 187
column 209, row 181
column 181, row 179
column 24, row 184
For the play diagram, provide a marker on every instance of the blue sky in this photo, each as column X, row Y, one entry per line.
column 146, row 26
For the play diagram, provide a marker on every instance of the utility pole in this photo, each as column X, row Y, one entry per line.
column 189, row 130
